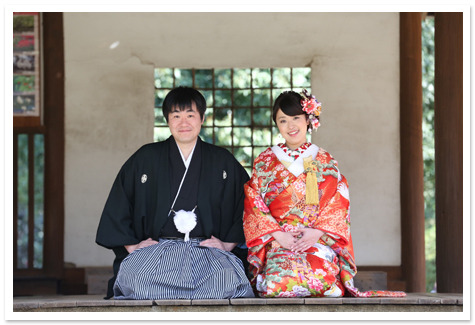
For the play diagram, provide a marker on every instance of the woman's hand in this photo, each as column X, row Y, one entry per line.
column 217, row 243
column 144, row 243
column 285, row 239
column 309, row 238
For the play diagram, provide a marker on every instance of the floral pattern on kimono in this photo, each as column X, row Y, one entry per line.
column 275, row 201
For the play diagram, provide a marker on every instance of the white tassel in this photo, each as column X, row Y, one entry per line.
column 185, row 222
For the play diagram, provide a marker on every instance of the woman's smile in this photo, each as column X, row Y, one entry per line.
column 292, row 128
column 292, row 133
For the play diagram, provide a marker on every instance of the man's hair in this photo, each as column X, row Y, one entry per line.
column 182, row 98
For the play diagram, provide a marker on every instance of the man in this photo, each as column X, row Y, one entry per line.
column 159, row 256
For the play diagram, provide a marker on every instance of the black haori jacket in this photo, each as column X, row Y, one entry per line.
column 137, row 208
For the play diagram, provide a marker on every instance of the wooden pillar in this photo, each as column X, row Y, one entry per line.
column 412, row 168
column 449, row 150
column 53, row 63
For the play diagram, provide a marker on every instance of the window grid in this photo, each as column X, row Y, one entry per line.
column 239, row 104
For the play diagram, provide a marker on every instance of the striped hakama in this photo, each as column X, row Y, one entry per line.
column 175, row 269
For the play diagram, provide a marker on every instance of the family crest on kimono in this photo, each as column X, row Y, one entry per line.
column 174, row 215
column 297, row 212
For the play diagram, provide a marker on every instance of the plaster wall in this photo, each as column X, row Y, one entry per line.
column 109, row 62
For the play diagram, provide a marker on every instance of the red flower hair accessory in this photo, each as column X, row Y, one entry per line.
column 312, row 107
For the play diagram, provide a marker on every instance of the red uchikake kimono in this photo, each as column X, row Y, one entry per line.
column 275, row 200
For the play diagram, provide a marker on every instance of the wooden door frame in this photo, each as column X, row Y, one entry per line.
column 46, row 280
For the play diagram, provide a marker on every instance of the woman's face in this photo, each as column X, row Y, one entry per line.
column 292, row 128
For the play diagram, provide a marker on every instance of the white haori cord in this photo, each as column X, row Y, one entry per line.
column 185, row 221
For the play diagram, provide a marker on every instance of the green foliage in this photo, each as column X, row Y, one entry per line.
column 183, row 77
column 39, row 169
column 22, row 192
column 428, row 146
column 23, row 200
column 428, row 115
column 203, row 78
column 430, row 254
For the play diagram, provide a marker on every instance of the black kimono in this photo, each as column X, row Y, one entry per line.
column 140, row 199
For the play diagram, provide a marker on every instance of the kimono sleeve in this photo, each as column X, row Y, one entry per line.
column 116, row 223
column 334, row 218
column 258, row 220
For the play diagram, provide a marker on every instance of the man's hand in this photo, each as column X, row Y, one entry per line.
column 217, row 243
column 309, row 238
column 142, row 244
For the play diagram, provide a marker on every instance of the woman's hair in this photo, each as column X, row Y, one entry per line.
column 183, row 97
column 289, row 103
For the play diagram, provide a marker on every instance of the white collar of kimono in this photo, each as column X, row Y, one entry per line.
column 295, row 167
column 187, row 161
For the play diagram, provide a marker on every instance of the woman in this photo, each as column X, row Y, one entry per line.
column 296, row 212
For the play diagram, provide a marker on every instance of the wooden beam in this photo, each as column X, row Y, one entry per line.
column 448, row 125
column 412, row 169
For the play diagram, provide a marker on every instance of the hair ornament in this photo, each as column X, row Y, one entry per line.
column 312, row 107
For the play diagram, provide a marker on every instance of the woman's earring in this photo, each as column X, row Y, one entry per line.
column 279, row 136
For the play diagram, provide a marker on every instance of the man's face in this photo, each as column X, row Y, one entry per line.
column 185, row 126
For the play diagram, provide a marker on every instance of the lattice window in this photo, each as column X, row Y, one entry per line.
column 239, row 104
